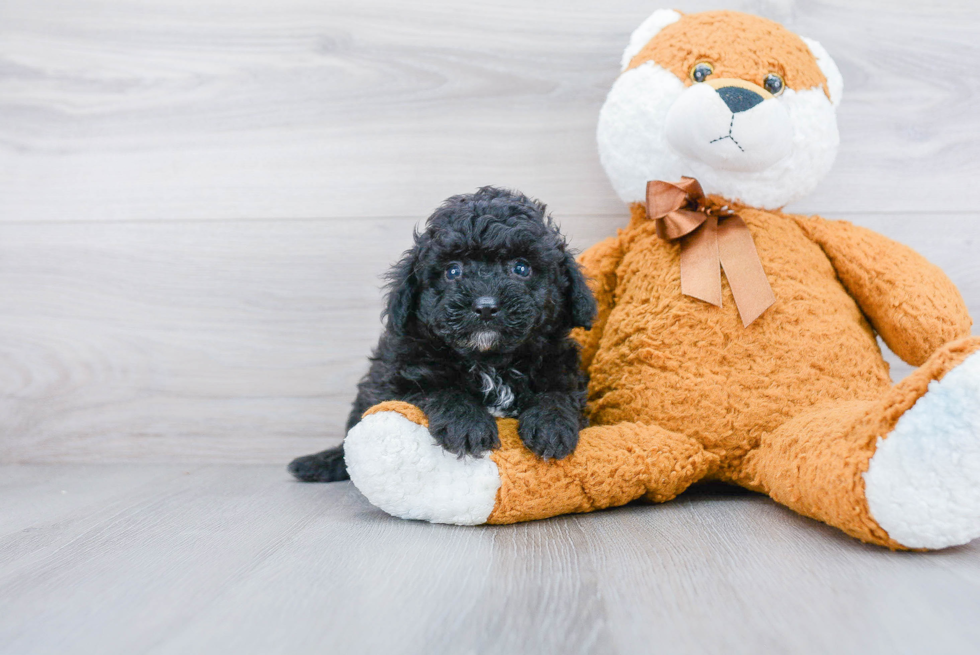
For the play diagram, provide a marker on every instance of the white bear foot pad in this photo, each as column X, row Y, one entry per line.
column 923, row 482
column 401, row 469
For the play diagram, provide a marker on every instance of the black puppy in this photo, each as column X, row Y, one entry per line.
column 477, row 321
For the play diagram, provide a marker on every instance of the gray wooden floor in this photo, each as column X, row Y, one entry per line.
column 219, row 559
column 196, row 202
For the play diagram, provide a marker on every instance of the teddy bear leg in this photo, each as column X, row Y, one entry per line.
column 398, row 466
column 902, row 471
column 611, row 466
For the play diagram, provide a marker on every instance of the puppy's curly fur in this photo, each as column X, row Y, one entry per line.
column 477, row 321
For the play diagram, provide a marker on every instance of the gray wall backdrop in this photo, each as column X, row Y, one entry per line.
column 197, row 196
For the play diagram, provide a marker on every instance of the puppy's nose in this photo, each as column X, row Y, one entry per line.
column 485, row 306
column 739, row 99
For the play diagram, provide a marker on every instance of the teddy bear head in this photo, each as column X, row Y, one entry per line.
column 738, row 102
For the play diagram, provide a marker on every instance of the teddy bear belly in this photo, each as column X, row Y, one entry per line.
column 725, row 390
column 690, row 367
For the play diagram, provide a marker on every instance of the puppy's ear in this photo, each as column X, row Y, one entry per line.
column 403, row 290
column 578, row 297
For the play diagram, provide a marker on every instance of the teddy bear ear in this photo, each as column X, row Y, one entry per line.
column 835, row 83
column 646, row 31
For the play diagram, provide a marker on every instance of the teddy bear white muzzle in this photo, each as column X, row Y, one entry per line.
column 730, row 125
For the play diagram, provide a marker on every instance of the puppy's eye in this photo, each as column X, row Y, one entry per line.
column 522, row 268
column 701, row 71
column 454, row 271
column 774, row 84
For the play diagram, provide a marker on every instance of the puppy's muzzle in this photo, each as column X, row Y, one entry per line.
column 486, row 307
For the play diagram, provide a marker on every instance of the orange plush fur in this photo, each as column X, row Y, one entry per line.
column 759, row 47
column 791, row 406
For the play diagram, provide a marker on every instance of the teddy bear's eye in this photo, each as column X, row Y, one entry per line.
column 774, row 84
column 701, row 71
column 454, row 271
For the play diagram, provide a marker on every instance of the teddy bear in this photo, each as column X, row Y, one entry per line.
column 734, row 342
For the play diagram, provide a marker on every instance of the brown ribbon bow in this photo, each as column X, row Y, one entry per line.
column 712, row 241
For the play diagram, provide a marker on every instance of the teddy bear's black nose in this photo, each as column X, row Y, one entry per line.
column 485, row 306
column 739, row 99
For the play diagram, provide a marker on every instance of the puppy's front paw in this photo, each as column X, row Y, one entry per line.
column 548, row 433
column 464, row 429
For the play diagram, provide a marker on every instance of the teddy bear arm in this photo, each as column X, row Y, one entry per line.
column 910, row 302
column 599, row 263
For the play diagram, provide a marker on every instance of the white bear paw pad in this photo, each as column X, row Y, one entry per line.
column 401, row 469
column 923, row 482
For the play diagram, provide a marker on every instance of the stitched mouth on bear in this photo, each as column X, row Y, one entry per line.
column 729, row 128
